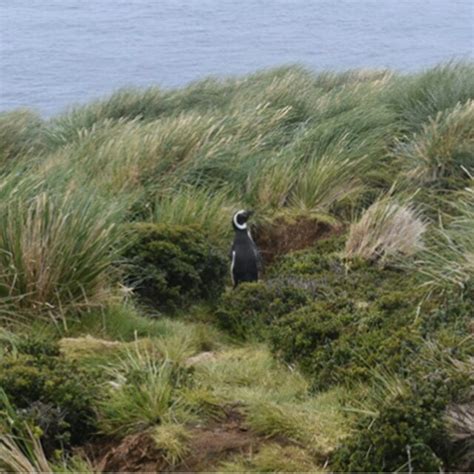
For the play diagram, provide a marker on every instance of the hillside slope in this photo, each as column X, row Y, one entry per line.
column 122, row 346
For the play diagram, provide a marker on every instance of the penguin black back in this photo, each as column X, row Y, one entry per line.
column 245, row 258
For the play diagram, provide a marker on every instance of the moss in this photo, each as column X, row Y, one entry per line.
column 173, row 265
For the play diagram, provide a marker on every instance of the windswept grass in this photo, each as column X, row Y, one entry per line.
column 20, row 134
column 195, row 206
column 417, row 98
column 443, row 149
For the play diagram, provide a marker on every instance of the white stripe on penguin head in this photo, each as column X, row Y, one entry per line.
column 239, row 226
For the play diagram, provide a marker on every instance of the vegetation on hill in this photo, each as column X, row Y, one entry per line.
column 122, row 346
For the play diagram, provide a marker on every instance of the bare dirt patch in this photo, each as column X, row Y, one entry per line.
column 210, row 445
column 216, row 442
column 286, row 234
column 134, row 453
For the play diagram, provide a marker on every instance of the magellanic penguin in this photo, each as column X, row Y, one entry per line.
column 245, row 257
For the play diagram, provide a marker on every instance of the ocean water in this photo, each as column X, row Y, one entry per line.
column 55, row 53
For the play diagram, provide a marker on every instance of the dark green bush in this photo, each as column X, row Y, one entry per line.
column 362, row 316
column 251, row 308
column 173, row 265
column 409, row 432
column 336, row 342
column 52, row 394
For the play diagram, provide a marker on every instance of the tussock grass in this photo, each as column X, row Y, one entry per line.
column 444, row 148
column 417, row 98
column 14, row 459
column 56, row 250
column 140, row 392
column 28, row 456
column 328, row 180
column 209, row 210
column 20, row 134
column 385, row 231
column 447, row 263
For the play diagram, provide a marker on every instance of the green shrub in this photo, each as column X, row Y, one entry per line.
column 173, row 265
column 337, row 342
column 408, row 432
column 362, row 316
column 52, row 394
column 251, row 308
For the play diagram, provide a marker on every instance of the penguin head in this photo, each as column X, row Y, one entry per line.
column 239, row 221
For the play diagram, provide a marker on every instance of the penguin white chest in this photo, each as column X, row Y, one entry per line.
column 232, row 267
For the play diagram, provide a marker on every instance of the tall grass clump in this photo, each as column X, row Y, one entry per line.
column 419, row 97
column 55, row 250
column 328, row 180
column 195, row 206
column 140, row 392
column 442, row 149
column 386, row 230
column 27, row 455
column 448, row 261
column 20, row 134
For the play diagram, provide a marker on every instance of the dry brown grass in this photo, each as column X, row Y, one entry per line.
column 387, row 229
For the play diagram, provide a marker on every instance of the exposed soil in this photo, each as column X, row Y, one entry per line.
column 216, row 442
column 285, row 234
column 134, row 453
column 210, row 445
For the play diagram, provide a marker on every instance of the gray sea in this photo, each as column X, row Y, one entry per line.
column 55, row 53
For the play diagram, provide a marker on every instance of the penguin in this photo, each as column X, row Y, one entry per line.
column 244, row 255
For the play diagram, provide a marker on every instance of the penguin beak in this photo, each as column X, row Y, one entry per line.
column 248, row 214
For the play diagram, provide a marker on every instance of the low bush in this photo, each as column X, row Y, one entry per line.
column 251, row 308
column 361, row 316
column 407, row 432
column 53, row 395
column 173, row 265
column 341, row 343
